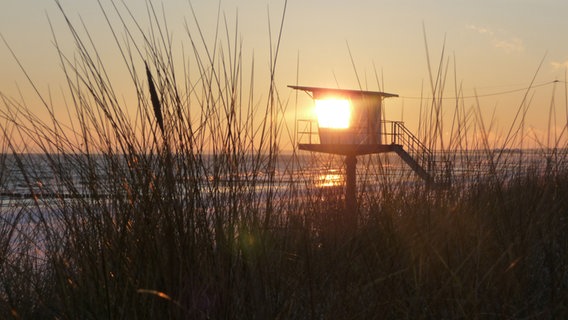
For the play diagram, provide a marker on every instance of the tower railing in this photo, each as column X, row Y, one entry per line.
column 307, row 131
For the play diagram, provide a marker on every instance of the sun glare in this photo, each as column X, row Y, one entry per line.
column 333, row 113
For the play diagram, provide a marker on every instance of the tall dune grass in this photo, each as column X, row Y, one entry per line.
column 191, row 221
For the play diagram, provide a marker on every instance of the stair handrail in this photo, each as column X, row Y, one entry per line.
column 402, row 136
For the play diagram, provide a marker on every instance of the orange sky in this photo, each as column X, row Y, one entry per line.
column 496, row 47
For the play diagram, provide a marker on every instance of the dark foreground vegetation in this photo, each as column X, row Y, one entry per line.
column 494, row 251
column 185, row 216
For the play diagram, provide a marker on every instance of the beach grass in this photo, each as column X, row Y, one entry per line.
column 186, row 210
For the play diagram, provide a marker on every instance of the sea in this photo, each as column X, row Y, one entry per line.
column 28, row 180
column 36, row 187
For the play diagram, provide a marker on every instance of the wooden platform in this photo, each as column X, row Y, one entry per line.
column 350, row 149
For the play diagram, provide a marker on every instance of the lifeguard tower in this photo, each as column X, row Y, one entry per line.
column 349, row 123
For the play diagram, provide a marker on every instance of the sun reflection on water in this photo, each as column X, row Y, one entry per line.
column 330, row 179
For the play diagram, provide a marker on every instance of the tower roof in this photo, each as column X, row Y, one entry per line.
column 316, row 91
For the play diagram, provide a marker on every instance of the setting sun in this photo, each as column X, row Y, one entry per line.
column 333, row 113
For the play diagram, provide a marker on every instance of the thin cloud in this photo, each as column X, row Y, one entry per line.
column 480, row 30
column 509, row 45
column 559, row 65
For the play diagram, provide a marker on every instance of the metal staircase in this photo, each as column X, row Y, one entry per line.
column 419, row 157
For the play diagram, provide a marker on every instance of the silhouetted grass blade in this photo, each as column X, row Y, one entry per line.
column 155, row 101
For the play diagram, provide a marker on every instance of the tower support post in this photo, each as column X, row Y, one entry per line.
column 351, row 207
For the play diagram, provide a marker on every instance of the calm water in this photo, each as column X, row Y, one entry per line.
column 34, row 188
column 31, row 177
